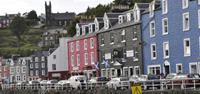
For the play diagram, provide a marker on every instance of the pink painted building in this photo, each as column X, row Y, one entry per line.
column 82, row 51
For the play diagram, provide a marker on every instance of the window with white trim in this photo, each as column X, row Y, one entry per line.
column 199, row 17
column 193, row 67
column 78, row 59
column 153, row 51
column 128, row 15
column 123, row 35
column 92, row 57
column 36, row 73
column 125, row 71
column 18, row 69
column 53, row 66
column 120, row 19
column 43, row 72
column 36, row 59
column 36, row 65
column 102, row 39
column 72, row 60
column 77, row 46
column 164, row 6
column 86, row 58
column 166, row 49
column 136, row 70
column 187, row 51
column 154, row 69
column 43, row 65
column 165, row 26
column 24, row 69
column 151, row 8
column 103, row 72
column 31, row 73
column 185, row 4
column 72, row 47
column 179, row 68
column 186, row 21
column 111, row 38
column 106, row 23
column 85, row 44
column 152, row 29
column 91, row 43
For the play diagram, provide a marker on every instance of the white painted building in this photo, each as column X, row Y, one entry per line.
column 58, row 61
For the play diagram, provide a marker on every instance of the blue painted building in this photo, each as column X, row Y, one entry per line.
column 171, row 37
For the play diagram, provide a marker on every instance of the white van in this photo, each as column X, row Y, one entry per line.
column 78, row 81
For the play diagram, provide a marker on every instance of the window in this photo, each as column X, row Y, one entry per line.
column 165, row 26
column 43, row 72
column 43, row 65
column 111, row 38
column 135, row 33
column 31, row 73
column 72, row 47
column 152, row 29
column 86, row 58
column 96, row 26
column 154, row 69
column 31, row 65
column 24, row 77
column 54, row 56
column 18, row 69
column 187, row 51
column 128, row 17
column 165, row 6
column 78, row 59
column 102, row 39
column 120, row 19
column 103, row 72
column 36, row 65
column 92, row 57
column 153, row 51
column 179, row 68
column 77, row 46
column 53, row 66
column 125, row 70
column 91, row 43
column 36, row 59
column 12, row 70
column 106, row 23
column 85, row 44
column 199, row 17
column 185, row 4
column 36, row 73
column 193, row 67
column 136, row 70
column 24, row 69
column 72, row 60
column 123, row 35
column 186, row 22
column 151, row 9
column 43, row 58
column 166, row 49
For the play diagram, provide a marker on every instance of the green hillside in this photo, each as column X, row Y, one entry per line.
column 8, row 42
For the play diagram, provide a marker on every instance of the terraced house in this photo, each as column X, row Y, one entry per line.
column 120, row 43
column 171, row 34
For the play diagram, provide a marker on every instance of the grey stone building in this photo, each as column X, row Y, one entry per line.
column 38, row 68
column 120, row 44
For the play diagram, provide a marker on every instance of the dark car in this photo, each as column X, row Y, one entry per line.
column 153, row 82
column 193, row 80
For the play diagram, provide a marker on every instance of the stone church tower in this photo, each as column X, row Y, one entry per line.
column 48, row 13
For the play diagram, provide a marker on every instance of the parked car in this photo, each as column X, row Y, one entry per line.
column 92, row 82
column 119, row 82
column 193, row 80
column 78, row 81
column 51, row 83
column 43, row 84
column 177, row 81
column 62, row 84
column 34, row 84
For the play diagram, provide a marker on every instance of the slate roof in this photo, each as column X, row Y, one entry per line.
column 63, row 16
column 40, row 53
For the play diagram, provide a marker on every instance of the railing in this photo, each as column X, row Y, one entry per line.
column 162, row 84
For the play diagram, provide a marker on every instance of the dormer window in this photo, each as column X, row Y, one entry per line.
column 96, row 25
column 165, row 6
column 136, row 15
column 128, row 15
column 77, row 30
column 106, row 22
column 151, row 9
column 120, row 19
column 90, row 28
column 83, row 30
column 185, row 3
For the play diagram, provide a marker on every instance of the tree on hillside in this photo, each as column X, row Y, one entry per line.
column 71, row 29
column 98, row 11
column 32, row 18
column 18, row 27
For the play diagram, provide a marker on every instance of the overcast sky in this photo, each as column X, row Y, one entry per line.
column 15, row 6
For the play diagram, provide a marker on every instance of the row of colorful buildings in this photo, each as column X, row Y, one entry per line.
column 152, row 38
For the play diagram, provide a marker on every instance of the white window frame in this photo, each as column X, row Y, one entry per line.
column 91, row 43
column 77, row 46
column 150, row 66
column 165, row 48
column 185, row 4
column 199, row 17
column 177, row 71
column 36, row 65
column 184, row 22
column 151, row 29
column 125, row 68
column 190, row 69
column 128, row 15
column 72, row 60
column 184, row 47
column 92, row 57
column 31, row 72
column 153, row 58
column 123, row 33
column 135, row 67
column 151, row 9
column 72, row 46
column 164, row 6
column 36, row 72
column 43, row 72
column 78, row 59
column 43, row 65
column 86, row 58
column 165, row 26
column 23, row 69
column 85, row 44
